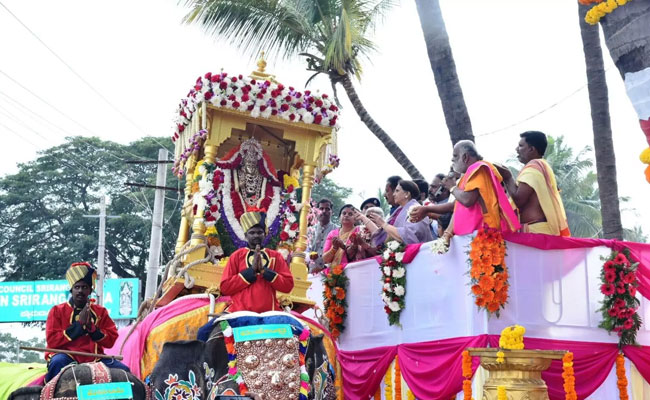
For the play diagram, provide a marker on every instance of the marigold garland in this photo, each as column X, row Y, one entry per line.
column 501, row 393
column 620, row 305
column 336, row 283
column 467, row 374
column 488, row 271
column 410, row 395
column 388, row 385
column 393, row 275
column 568, row 376
column 622, row 379
column 398, row 380
column 602, row 9
column 512, row 338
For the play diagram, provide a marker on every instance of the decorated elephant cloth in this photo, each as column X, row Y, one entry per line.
column 14, row 376
column 66, row 384
column 266, row 354
column 179, row 320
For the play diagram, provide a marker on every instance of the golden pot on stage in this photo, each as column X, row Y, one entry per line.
column 520, row 373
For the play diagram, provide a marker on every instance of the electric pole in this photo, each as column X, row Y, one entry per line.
column 156, row 226
column 101, row 248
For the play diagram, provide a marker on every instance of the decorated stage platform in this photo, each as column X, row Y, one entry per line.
column 555, row 293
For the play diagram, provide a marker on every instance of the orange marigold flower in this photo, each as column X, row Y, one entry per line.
column 488, row 296
column 340, row 294
column 480, row 301
column 486, row 282
column 337, row 270
column 476, row 289
column 493, row 306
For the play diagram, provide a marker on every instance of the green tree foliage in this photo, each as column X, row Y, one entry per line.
column 9, row 351
column 334, row 35
column 328, row 189
column 42, row 208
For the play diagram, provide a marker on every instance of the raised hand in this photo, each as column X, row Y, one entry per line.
column 417, row 214
column 257, row 259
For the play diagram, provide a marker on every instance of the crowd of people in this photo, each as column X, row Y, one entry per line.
column 473, row 194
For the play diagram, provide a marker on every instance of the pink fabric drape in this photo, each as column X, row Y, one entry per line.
column 432, row 370
column 135, row 346
column 639, row 251
column 410, row 252
column 640, row 357
column 364, row 370
column 592, row 362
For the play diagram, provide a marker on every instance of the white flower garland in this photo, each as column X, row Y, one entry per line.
column 227, row 206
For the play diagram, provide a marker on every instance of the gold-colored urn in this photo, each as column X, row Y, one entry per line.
column 520, row 372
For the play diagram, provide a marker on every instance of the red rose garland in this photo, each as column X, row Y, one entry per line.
column 619, row 306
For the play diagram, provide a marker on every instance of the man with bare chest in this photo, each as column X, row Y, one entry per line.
column 535, row 190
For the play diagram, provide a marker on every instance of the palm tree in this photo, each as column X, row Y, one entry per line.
column 577, row 185
column 603, row 143
column 331, row 34
column 444, row 70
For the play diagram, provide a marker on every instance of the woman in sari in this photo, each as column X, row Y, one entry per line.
column 398, row 227
column 339, row 246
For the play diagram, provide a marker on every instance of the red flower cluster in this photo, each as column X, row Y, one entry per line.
column 619, row 307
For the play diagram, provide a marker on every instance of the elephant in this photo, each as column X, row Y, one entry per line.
column 66, row 382
column 203, row 368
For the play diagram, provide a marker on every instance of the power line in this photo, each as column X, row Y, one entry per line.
column 16, row 102
column 115, row 108
column 557, row 103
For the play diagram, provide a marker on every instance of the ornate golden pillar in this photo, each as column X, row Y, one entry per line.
column 520, row 373
column 198, row 227
column 184, row 230
column 298, row 265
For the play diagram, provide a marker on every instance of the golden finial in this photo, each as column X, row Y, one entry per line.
column 260, row 74
column 261, row 63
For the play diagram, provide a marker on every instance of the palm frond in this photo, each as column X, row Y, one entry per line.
column 278, row 28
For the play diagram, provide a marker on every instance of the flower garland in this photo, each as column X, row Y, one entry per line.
column 501, row 393
column 488, row 271
column 569, row 377
column 620, row 305
column 194, row 147
column 645, row 158
column 336, row 283
column 602, row 9
column 304, row 376
column 467, row 374
column 398, row 379
column 234, row 374
column 259, row 98
column 388, row 384
column 289, row 225
column 439, row 246
column 333, row 162
column 512, row 338
column 393, row 276
column 621, row 381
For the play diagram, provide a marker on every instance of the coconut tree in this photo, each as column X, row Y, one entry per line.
column 444, row 70
column 603, row 143
column 333, row 35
